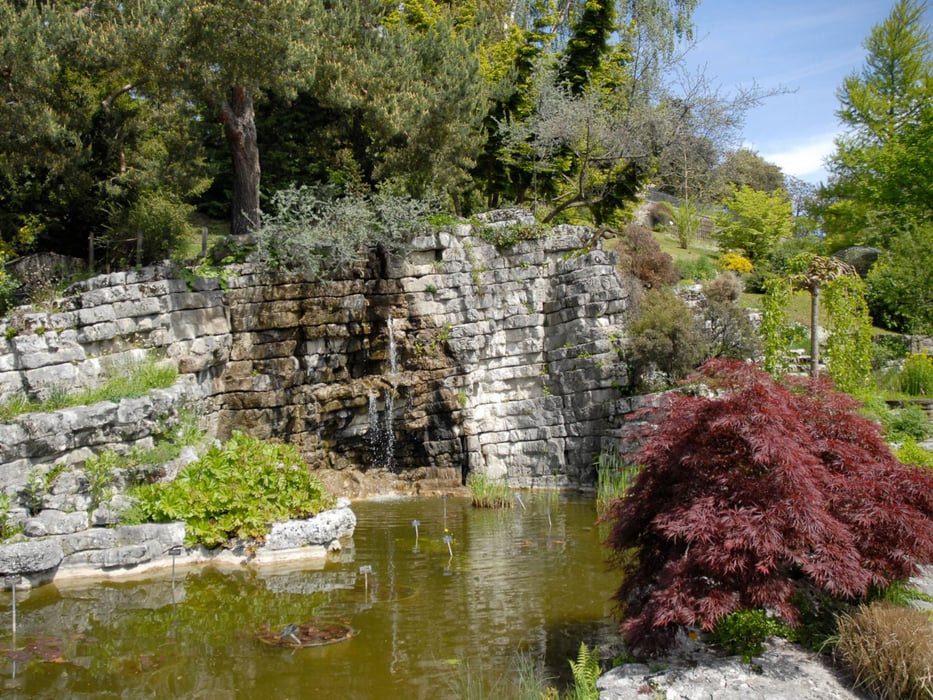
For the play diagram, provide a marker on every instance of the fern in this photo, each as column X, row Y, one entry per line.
column 585, row 672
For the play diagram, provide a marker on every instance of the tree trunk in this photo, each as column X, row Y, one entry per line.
column 239, row 123
column 814, row 329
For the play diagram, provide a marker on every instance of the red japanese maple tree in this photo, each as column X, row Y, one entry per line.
column 752, row 491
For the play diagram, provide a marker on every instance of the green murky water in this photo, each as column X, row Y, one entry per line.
column 527, row 581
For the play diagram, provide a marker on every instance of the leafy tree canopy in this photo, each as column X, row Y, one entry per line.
column 754, row 222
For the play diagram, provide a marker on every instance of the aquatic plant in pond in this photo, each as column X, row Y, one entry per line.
column 614, row 476
column 236, row 490
column 489, row 493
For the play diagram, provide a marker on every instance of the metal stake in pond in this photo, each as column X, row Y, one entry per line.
column 444, row 497
column 173, row 552
column 447, row 540
column 416, row 524
column 11, row 581
column 366, row 570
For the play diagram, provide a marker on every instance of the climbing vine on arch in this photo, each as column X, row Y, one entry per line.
column 775, row 330
column 848, row 348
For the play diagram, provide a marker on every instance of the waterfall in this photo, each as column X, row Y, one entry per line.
column 373, row 434
column 389, row 432
column 381, row 436
column 393, row 362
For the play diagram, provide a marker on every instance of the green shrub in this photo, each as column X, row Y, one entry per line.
column 819, row 614
column 916, row 375
column 666, row 338
column 38, row 485
column 697, row 270
column 8, row 287
column 234, row 491
column 745, row 631
column 886, row 349
column 909, row 422
column 6, row 505
column 310, row 230
column 888, row 650
column 507, row 236
column 911, row 453
column 100, row 471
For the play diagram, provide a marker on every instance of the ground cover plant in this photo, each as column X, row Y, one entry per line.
column 128, row 381
column 235, row 491
column 759, row 495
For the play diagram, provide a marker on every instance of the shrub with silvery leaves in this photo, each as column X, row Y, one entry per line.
column 311, row 231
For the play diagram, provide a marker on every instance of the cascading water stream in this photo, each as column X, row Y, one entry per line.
column 389, row 431
column 393, row 361
column 382, row 432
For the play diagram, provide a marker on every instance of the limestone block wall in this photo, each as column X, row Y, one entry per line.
column 459, row 356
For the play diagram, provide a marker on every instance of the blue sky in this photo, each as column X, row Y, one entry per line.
column 807, row 46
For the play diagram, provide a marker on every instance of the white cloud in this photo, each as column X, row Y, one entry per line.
column 804, row 160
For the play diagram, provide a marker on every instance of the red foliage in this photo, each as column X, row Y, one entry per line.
column 640, row 254
column 757, row 492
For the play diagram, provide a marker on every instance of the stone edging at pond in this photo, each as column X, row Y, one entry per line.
column 74, row 552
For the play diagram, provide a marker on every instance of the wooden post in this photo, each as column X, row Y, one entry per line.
column 139, row 248
column 204, row 241
column 90, row 252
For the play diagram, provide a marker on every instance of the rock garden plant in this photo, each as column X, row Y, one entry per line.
column 234, row 492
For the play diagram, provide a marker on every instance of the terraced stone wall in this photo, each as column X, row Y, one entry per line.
column 461, row 357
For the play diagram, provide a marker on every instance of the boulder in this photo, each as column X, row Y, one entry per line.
column 55, row 522
column 322, row 529
column 30, row 557
column 783, row 672
column 168, row 535
column 110, row 512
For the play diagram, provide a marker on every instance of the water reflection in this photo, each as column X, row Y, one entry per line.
column 422, row 608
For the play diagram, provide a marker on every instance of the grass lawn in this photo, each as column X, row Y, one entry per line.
column 216, row 231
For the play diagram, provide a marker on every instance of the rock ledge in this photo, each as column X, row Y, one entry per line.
column 697, row 672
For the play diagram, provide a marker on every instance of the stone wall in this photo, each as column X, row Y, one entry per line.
column 459, row 357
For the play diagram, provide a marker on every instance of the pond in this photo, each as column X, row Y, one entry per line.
column 403, row 611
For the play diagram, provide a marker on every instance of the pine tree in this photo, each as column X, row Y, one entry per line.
column 881, row 172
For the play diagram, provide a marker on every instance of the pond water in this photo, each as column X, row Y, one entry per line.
column 428, row 617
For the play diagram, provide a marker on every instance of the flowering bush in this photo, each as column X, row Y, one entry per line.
column 736, row 263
